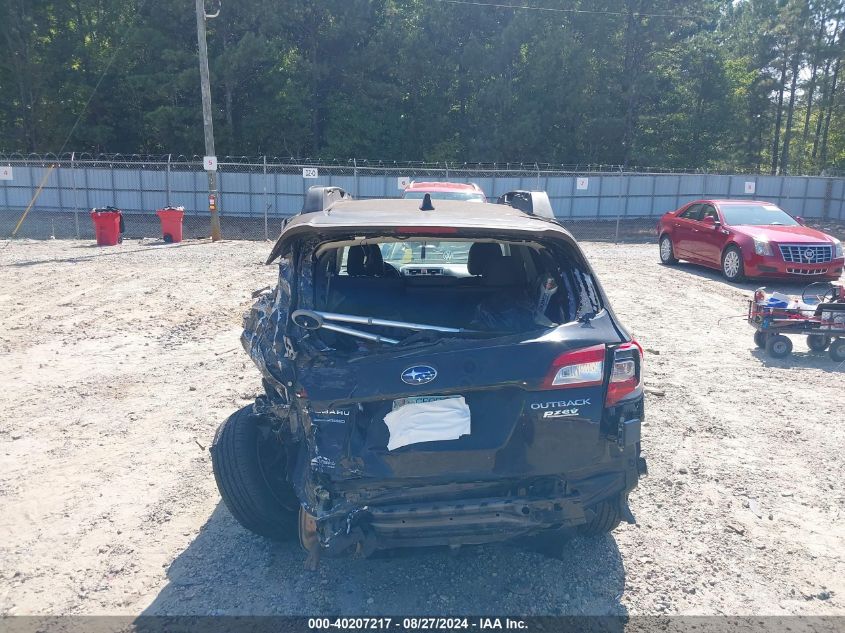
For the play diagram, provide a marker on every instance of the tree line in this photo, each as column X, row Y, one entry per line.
column 754, row 85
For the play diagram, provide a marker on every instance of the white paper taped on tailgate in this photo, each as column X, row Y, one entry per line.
column 433, row 421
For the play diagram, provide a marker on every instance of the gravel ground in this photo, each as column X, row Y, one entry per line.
column 117, row 364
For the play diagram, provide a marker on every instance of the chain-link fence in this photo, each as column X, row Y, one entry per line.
column 596, row 202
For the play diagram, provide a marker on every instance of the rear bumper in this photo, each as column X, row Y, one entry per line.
column 479, row 521
column 474, row 521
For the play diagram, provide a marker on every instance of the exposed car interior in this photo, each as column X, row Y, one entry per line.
column 480, row 286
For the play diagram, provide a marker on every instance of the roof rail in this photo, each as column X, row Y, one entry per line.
column 530, row 202
column 320, row 197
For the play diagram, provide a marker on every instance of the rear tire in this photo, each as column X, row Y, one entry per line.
column 606, row 519
column 760, row 339
column 779, row 346
column 818, row 342
column 667, row 251
column 251, row 475
column 732, row 267
column 837, row 350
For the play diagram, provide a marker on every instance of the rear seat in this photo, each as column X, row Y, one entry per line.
column 380, row 297
column 454, row 301
column 368, row 288
column 504, row 281
column 448, row 301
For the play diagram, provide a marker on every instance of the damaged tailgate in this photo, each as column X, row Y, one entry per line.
column 519, row 424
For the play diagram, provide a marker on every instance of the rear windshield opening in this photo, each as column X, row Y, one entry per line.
column 434, row 288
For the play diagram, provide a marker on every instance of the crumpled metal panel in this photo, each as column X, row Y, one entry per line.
column 265, row 340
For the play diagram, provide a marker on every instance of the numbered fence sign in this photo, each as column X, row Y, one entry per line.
column 750, row 186
column 402, row 182
column 210, row 163
column 5, row 172
column 582, row 183
column 310, row 172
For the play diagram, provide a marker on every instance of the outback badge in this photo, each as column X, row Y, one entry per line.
column 419, row 375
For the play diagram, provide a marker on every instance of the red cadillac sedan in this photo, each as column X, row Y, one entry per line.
column 748, row 238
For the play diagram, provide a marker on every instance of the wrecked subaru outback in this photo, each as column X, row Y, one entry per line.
column 432, row 376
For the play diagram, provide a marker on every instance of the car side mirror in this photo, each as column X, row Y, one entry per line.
column 800, row 220
column 708, row 220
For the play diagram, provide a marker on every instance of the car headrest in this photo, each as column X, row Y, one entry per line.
column 504, row 271
column 480, row 256
column 374, row 265
column 364, row 261
column 355, row 261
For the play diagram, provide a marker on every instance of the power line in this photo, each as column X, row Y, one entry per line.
column 522, row 7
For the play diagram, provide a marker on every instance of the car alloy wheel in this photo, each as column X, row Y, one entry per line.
column 666, row 254
column 732, row 264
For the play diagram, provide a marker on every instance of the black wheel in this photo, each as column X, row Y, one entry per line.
column 605, row 519
column 732, row 266
column 251, row 474
column 667, row 251
column 778, row 346
column 818, row 342
column 837, row 350
column 760, row 338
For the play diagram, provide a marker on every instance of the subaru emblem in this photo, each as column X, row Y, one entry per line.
column 419, row 375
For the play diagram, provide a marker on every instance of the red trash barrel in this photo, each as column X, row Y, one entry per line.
column 171, row 223
column 107, row 225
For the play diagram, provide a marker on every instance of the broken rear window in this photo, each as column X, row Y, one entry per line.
column 389, row 291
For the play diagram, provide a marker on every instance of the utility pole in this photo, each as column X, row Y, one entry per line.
column 208, row 124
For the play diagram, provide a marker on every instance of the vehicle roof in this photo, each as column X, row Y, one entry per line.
column 443, row 186
column 728, row 201
column 367, row 215
column 401, row 212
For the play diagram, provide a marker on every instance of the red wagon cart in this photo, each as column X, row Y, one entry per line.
column 818, row 314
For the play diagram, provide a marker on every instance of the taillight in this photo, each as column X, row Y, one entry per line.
column 626, row 372
column 579, row 368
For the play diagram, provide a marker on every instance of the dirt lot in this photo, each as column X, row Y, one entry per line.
column 117, row 365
